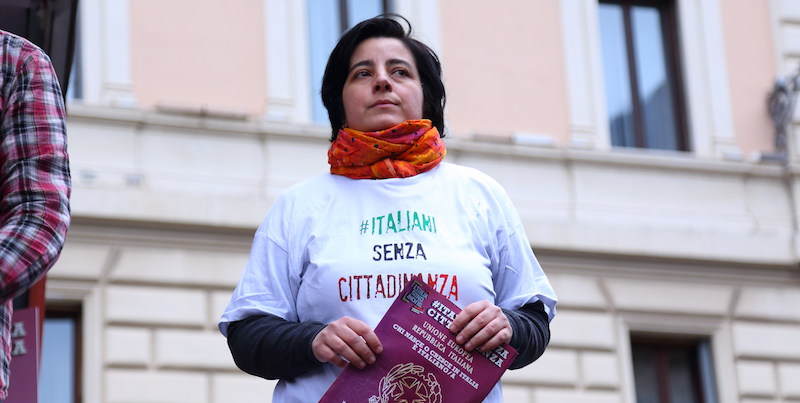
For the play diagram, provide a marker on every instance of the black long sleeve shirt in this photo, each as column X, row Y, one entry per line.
column 274, row 348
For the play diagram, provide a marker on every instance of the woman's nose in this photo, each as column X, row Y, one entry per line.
column 382, row 84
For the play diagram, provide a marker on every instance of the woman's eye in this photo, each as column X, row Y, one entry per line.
column 401, row 72
column 361, row 74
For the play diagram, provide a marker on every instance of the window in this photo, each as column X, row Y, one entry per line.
column 641, row 71
column 48, row 24
column 672, row 370
column 327, row 20
column 59, row 377
column 75, row 85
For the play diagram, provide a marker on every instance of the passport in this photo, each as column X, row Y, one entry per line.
column 421, row 361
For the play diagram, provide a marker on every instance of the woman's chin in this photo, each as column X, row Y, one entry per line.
column 381, row 124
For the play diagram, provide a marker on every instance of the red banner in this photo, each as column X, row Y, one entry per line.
column 24, row 379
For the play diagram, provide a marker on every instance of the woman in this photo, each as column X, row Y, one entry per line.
column 334, row 251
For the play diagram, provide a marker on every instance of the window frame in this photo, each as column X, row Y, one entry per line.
column 317, row 57
column 73, row 311
column 386, row 5
column 674, row 325
column 665, row 343
column 669, row 24
column 704, row 72
column 286, row 40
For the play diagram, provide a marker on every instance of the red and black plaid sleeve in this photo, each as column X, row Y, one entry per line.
column 34, row 175
column 34, row 170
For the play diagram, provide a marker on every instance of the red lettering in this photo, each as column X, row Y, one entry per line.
column 454, row 288
column 406, row 279
column 379, row 288
column 389, row 285
column 432, row 279
column 368, row 277
column 358, row 286
column 444, row 282
column 341, row 296
column 392, row 289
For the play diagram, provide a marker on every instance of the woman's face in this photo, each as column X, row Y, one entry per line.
column 382, row 88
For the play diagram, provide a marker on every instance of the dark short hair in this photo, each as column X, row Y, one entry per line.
column 384, row 26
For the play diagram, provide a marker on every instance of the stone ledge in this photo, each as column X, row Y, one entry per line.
column 155, row 386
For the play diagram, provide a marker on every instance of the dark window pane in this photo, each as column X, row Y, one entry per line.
column 655, row 95
column 619, row 105
column 682, row 375
column 672, row 370
column 75, row 87
column 645, row 374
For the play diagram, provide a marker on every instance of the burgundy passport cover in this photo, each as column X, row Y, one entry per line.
column 421, row 361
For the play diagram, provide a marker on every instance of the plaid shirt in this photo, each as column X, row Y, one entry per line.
column 34, row 176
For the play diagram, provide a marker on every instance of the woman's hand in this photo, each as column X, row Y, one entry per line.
column 481, row 325
column 346, row 339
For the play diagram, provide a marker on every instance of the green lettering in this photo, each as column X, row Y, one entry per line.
column 400, row 222
column 416, row 222
column 380, row 225
column 426, row 223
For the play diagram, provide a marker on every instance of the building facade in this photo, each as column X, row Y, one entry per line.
column 649, row 183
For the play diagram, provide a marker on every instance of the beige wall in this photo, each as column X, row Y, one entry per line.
column 504, row 67
column 751, row 71
column 198, row 54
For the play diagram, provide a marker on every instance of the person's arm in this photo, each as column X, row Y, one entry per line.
column 531, row 332
column 272, row 347
column 485, row 326
column 34, row 170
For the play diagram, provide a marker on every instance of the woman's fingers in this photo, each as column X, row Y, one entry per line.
column 346, row 340
column 481, row 325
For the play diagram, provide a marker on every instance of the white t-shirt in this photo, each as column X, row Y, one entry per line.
column 333, row 246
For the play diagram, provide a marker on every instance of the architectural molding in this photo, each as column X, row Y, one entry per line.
column 661, row 268
column 87, row 294
column 106, row 52
column 425, row 18
column 556, row 191
column 587, row 107
column 286, row 41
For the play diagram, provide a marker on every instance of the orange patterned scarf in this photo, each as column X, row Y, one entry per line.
column 407, row 149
